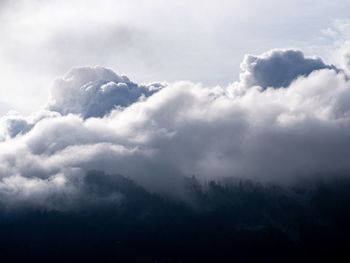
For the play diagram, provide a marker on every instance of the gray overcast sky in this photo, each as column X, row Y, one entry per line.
column 202, row 41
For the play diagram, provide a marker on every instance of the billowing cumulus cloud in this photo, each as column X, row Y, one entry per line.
column 94, row 92
column 98, row 120
column 278, row 68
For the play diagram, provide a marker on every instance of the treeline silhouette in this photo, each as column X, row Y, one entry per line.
column 226, row 221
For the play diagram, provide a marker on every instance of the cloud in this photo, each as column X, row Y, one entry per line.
column 94, row 92
column 158, row 134
column 13, row 123
column 278, row 68
column 336, row 43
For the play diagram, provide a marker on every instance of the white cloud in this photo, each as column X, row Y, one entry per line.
column 13, row 123
column 336, row 48
column 250, row 129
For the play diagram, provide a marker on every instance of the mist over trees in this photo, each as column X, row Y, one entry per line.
column 231, row 219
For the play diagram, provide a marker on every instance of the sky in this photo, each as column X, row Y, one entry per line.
column 158, row 92
column 149, row 41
